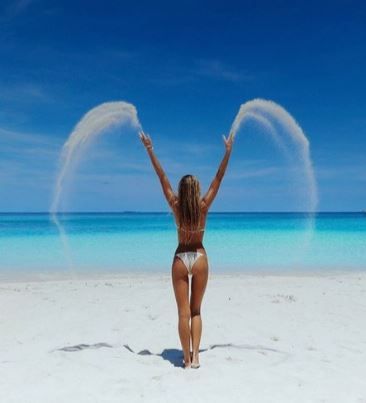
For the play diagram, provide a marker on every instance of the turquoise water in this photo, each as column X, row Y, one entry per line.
column 146, row 242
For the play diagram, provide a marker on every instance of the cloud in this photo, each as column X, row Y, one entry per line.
column 20, row 5
column 216, row 69
column 23, row 92
column 28, row 164
column 203, row 68
column 16, row 7
column 27, row 157
column 196, row 147
column 346, row 172
column 16, row 138
column 254, row 173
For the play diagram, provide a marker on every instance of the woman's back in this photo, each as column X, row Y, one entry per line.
column 187, row 236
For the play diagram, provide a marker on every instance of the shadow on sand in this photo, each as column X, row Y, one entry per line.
column 173, row 355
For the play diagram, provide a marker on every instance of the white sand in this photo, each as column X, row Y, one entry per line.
column 265, row 339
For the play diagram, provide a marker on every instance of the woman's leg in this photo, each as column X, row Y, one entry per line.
column 199, row 282
column 181, row 291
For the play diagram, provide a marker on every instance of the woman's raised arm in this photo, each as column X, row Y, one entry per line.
column 167, row 189
column 209, row 197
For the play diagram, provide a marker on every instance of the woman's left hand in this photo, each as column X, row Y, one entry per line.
column 229, row 141
column 146, row 140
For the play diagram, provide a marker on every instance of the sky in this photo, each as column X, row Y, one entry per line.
column 187, row 67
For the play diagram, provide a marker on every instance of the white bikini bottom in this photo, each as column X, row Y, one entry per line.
column 189, row 259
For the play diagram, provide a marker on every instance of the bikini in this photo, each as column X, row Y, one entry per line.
column 189, row 258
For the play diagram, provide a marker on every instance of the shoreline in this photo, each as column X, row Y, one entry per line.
column 51, row 276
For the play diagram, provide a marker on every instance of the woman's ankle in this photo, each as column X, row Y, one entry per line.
column 194, row 356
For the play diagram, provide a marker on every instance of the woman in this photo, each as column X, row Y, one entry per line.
column 190, row 212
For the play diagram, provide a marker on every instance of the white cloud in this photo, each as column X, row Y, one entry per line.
column 23, row 92
column 218, row 70
column 202, row 68
column 27, row 158
column 10, row 138
column 342, row 172
column 254, row 173
column 16, row 7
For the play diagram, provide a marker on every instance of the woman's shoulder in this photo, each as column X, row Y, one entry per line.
column 173, row 201
column 203, row 205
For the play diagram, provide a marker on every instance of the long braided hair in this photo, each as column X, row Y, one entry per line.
column 189, row 212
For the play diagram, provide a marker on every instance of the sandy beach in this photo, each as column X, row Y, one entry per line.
column 266, row 338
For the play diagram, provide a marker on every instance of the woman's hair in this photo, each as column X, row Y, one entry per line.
column 189, row 193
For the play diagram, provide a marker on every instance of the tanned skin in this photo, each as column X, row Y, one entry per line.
column 190, row 309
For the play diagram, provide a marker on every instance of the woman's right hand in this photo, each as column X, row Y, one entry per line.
column 228, row 141
column 146, row 140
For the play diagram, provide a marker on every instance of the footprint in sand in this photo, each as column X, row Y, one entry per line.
column 283, row 297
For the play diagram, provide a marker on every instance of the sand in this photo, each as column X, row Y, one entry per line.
column 266, row 338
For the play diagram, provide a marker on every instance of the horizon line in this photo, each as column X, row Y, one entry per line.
column 169, row 212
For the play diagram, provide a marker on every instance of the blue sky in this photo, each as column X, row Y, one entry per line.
column 187, row 67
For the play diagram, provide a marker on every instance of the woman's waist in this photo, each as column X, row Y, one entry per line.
column 193, row 247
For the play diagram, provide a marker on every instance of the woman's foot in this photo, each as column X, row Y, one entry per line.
column 194, row 360
column 186, row 365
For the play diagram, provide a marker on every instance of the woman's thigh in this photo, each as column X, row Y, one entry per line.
column 199, row 283
column 181, row 286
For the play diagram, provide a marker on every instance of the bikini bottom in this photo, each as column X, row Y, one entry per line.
column 189, row 259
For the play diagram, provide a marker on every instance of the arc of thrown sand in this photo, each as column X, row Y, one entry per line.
column 92, row 124
column 260, row 109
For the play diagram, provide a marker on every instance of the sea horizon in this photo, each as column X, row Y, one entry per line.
column 168, row 212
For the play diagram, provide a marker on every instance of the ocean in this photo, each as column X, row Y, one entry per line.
column 145, row 242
